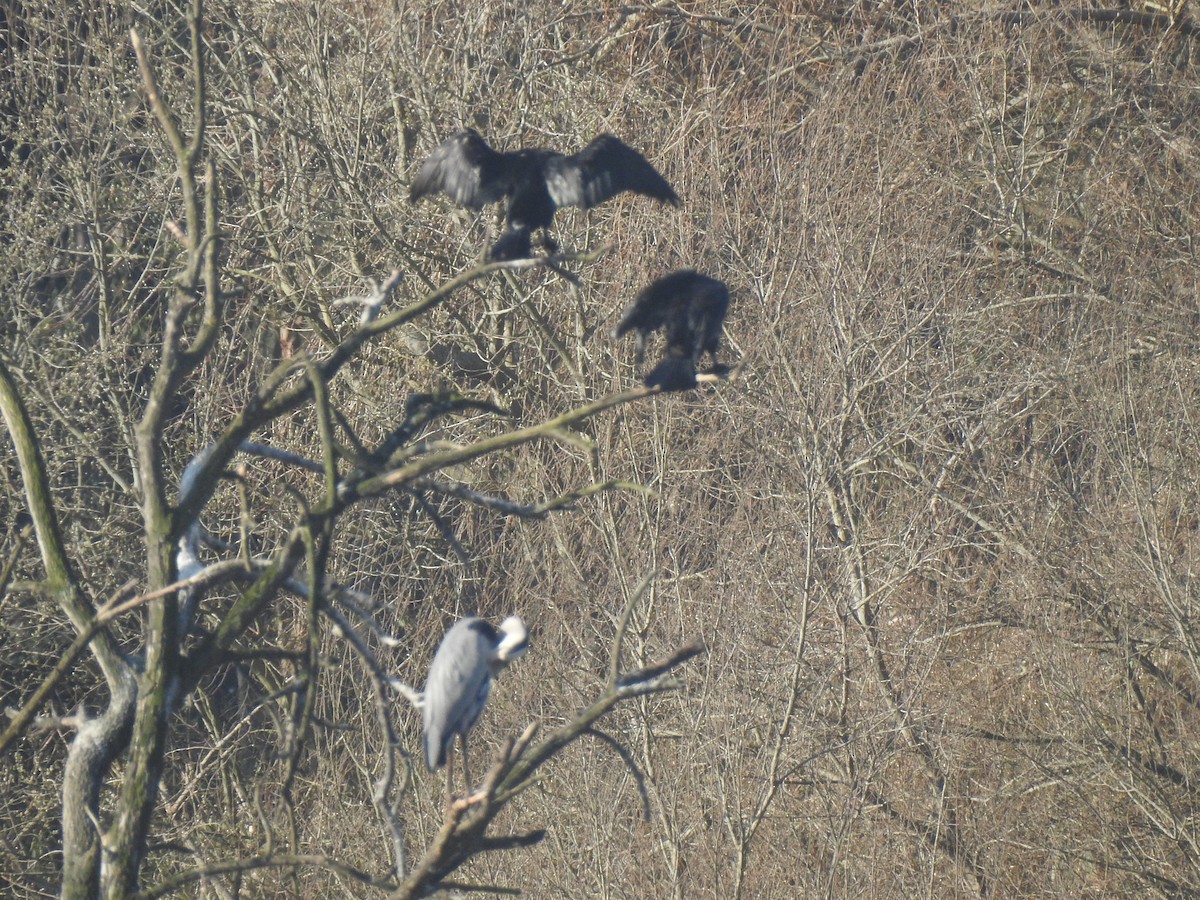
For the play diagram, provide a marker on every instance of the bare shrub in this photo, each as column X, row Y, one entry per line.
column 938, row 538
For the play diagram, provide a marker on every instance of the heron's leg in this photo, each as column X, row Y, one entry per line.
column 449, row 775
column 466, row 770
column 548, row 243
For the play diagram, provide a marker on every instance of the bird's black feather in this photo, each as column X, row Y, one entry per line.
column 600, row 171
column 691, row 307
column 536, row 182
column 464, row 168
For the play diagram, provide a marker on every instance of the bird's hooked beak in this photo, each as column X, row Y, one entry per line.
column 514, row 642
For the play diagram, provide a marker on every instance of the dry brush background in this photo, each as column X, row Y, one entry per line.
column 940, row 538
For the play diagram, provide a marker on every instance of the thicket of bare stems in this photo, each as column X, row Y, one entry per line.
column 939, row 539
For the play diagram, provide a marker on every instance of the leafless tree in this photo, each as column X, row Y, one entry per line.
column 939, row 539
column 184, row 635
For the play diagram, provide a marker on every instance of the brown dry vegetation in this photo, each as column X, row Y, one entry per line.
column 939, row 539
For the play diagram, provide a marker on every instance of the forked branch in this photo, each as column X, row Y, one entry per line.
column 462, row 835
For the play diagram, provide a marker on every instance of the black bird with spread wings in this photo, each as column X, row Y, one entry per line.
column 535, row 181
column 691, row 307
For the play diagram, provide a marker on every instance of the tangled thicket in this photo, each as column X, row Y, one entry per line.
column 939, row 538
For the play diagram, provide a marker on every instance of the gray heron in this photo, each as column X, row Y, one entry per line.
column 691, row 307
column 536, row 182
column 472, row 652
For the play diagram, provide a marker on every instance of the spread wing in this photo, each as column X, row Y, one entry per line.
column 464, row 168
column 600, row 171
column 659, row 302
column 691, row 306
column 642, row 318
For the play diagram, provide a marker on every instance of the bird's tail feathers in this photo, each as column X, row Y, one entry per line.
column 435, row 750
column 515, row 244
column 672, row 374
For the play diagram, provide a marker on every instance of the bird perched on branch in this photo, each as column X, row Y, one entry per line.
column 691, row 307
column 536, row 182
column 460, row 677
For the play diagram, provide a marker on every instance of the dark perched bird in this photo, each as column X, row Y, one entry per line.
column 691, row 307
column 460, row 676
column 535, row 181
